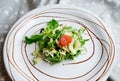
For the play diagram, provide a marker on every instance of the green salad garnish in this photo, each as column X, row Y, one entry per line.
column 57, row 43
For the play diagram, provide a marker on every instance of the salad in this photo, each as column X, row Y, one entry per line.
column 57, row 43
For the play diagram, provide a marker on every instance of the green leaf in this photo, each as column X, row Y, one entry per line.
column 83, row 41
column 55, row 59
column 81, row 30
column 43, row 43
column 33, row 39
column 78, row 52
column 51, row 43
column 52, row 25
column 58, row 34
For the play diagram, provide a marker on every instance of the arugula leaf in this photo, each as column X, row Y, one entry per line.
column 33, row 39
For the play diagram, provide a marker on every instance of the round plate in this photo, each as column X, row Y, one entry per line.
column 93, row 65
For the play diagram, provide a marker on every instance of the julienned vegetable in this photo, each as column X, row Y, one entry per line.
column 57, row 43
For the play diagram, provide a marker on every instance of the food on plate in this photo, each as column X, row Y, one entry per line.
column 57, row 43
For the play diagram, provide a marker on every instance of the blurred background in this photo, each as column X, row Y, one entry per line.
column 107, row 10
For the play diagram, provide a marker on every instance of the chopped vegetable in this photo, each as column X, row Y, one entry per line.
column 65, row 40
column 57, row 43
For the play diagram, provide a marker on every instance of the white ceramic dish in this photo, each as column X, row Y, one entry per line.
column 94, row 65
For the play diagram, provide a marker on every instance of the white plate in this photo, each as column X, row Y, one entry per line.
column 94, row 65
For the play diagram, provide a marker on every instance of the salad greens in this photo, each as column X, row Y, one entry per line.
column 57, row 43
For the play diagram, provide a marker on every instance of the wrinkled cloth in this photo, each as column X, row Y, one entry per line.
column 107, row 10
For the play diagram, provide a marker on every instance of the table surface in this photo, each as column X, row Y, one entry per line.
column 107, row 10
